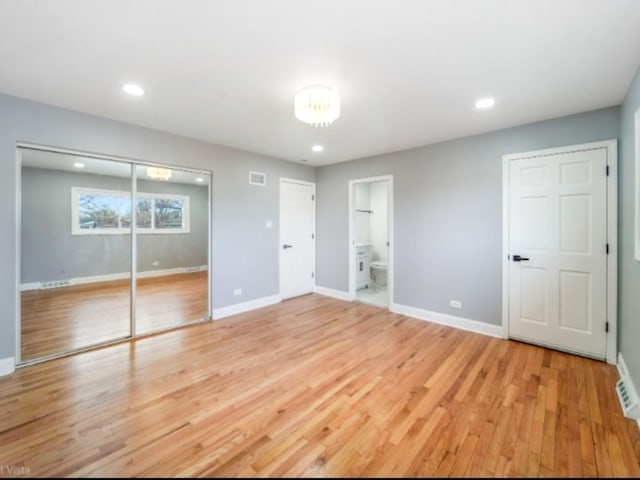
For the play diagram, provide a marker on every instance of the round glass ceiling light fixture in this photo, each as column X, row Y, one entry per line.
column 158, row 173
column 317, row 105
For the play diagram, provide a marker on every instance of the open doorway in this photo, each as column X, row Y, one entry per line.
column 370, row 243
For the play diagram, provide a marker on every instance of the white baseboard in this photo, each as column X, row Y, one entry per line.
column 449, row 320
column 330, row 292
column 30, row 286
column 623, row 371
column 109, row 278
column 237, row 308
column 7, row 366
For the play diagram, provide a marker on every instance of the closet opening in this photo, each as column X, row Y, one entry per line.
column 108, row 249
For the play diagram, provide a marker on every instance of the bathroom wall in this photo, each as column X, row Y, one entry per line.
column 362, row 201
column 379, row 221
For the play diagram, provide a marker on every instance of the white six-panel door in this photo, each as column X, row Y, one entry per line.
column 297, row 237
column 557, row 248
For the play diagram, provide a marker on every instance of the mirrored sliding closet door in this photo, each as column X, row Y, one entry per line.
column 84, row 222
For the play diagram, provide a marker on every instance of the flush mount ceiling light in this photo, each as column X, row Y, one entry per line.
column 199, row 180
column 133, row 89
column 317, row 105
column 317, row 148
column 78, row 165
column 158, row 173
column 485, row 103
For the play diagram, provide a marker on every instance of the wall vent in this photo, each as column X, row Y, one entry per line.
column 258, row 178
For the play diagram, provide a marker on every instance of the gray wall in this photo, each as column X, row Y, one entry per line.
column 448, row 206
column 629, row 272
column 245, row 253
column 447, row 213
column 51, row 252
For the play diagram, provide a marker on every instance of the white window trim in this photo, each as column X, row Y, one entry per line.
column 75, row 226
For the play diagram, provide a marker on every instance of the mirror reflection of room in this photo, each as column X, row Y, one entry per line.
column 76, row 252
column 172, row 253
column 371, row 242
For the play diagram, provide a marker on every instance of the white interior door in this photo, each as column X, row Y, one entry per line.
column 297, row 237
column 558, row 250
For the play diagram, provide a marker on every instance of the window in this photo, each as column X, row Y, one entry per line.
column 98, row 212
column 167, row 213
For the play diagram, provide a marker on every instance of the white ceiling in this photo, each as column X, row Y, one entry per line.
column 408, row 71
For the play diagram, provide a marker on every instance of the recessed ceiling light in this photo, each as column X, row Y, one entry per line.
column 133, row 89
column 78, row 165
column 317, row 148
column 485, row 103
column 199, row 179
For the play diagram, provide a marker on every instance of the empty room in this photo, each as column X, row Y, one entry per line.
column 303, row 238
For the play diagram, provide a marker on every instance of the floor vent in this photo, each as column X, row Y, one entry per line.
column 55, row 284
column 195, row 269
column 626, row 391
column 628, row 400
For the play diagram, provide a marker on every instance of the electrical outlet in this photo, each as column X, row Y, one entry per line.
column 455, row 303
column 237, row 292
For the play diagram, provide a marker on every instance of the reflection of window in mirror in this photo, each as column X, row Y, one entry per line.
column 98, row 211
column 637, row 184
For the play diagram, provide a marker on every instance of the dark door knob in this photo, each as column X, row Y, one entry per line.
column 285, row 246
column 518, row 258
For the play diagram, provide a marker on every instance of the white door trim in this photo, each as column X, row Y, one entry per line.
column 636, row 227
column 352, row 257
column 18, row 276
column 313, row 250
column 611, row 147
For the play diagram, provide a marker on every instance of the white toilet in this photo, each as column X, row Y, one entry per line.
column 379, row 273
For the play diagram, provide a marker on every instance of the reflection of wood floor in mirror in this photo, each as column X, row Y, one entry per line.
column 68, row 318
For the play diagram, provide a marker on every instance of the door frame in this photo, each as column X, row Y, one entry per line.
column 352, row 254
column 611, row 147
column 313, row 213
column 18, row 249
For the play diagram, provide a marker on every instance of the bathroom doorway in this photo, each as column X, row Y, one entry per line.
column 370, row 240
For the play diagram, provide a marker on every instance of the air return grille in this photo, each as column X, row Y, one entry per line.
column 257, row 178
column 626, row 392
column 628, row 400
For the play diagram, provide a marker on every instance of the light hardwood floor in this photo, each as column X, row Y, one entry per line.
column 317, row 387
column 64, row 319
